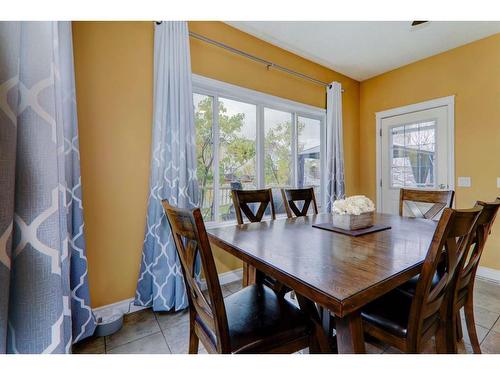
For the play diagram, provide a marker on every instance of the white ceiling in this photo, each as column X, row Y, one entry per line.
column 363, row 49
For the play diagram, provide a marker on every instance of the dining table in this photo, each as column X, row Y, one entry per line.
column 333, row 274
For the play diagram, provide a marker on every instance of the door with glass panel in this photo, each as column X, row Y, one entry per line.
column 415, row 154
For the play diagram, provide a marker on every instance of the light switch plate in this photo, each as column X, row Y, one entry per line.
column 498, row 182
column 464, row 182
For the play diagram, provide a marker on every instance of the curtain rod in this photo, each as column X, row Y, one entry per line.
column 268, row 63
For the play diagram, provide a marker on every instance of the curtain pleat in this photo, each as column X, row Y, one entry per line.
column 335, row 185
column 173, row 168
column 44, row 296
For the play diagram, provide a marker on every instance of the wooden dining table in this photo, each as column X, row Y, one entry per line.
column 337, row 272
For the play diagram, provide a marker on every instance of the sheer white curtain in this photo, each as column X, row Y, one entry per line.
column 335, row 188
column 173, row 167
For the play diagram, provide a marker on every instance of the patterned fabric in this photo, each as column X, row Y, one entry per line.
column 173, row 168
column 335, row 188
column 44, row 296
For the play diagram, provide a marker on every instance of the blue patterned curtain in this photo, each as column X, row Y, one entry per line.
column 173, row 168
column 44, row 296
column 335, row 186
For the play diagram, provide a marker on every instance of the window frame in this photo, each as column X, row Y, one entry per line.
column 215, row 89
column 435, row 167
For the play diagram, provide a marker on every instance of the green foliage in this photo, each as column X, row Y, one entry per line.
column 278, row 154
column 204, row 142
column 237, row 153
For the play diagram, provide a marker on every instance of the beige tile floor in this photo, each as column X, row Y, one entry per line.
column 163, row 333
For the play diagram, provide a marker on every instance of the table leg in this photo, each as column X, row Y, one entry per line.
column 350, row 338
column 308, row 307
column 249, row 275
column 326, row 321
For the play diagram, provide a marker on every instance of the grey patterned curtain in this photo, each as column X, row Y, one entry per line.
column 335, row 186
column 44, row 296
column 173, row 168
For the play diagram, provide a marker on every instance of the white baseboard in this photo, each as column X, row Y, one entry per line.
column 488, row 274
column 127, row 306
column 121, row 307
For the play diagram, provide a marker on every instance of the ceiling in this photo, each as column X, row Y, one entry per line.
column 364, row 49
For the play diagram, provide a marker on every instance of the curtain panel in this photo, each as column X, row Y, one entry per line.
column 44, row 295
column 335, row 186
column 173, row 168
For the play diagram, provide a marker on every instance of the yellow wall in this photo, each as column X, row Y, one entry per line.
column 114, row 84
column 472, row 73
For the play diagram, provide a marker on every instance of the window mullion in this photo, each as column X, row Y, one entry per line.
column 294, row 150
column 216, row 138
column 260, row 147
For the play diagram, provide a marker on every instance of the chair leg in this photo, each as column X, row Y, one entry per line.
column 193, row 339
column 441, row 340
column 471, row 325
column 314, row 347
column 460, row 333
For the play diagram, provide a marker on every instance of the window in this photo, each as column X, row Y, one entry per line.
column 308, row 156
column 237, row 152
column 413, row 155
column 249, row 140
column 277, row 148
column 203, row 110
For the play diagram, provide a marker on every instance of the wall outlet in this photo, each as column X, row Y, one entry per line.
column 464, row 182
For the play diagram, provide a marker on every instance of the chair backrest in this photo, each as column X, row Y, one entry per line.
column 290, row 196
column 242, row 199
column 190, row 237
column 448, row 246
column 478, row 239
column 424, row 203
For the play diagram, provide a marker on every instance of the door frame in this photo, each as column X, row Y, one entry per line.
column 447, row 101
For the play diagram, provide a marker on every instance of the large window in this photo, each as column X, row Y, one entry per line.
column 250, row 140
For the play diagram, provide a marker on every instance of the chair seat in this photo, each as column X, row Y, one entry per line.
column 258, row 318
column 391, row 313
column 410, row 286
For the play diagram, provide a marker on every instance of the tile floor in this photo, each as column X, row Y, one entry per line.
column 163, row 333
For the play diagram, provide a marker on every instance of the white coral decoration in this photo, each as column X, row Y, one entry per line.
column 355, row 205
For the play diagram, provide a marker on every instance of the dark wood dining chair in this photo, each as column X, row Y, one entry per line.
column 243, row 198
column 465, row 285
column 242, row 201
column 291, row 196
column 406, row 321
column 427, row 204
column 253, row 320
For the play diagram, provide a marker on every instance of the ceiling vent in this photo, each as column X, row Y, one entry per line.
column 418, row 24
